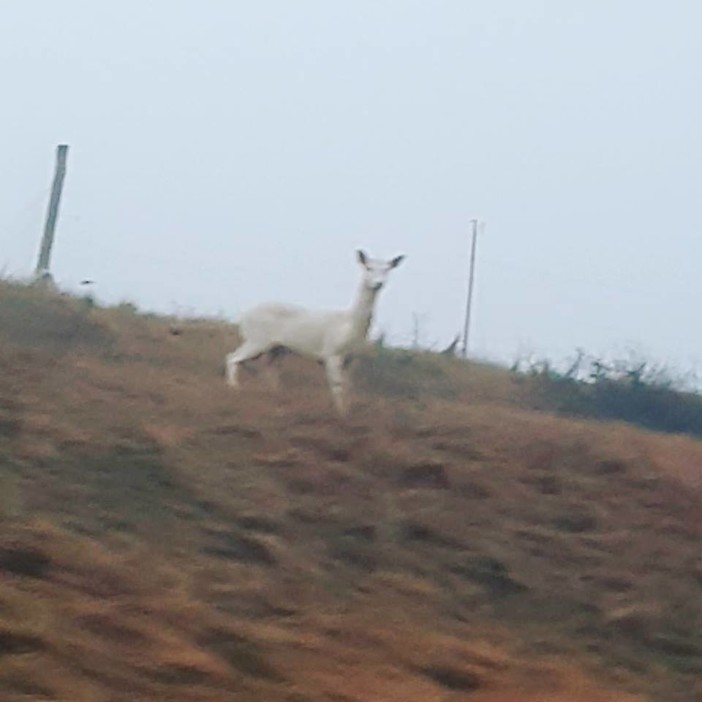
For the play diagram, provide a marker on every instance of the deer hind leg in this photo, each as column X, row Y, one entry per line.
column 246, row 352
column 272, row 365
column 334, row 366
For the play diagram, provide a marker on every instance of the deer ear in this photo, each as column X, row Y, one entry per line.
column 396, row 261
column 362, row 258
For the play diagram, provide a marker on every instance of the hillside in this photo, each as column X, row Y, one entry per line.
column 165, row 539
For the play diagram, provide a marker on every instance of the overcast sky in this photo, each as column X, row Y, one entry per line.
column 226, row 152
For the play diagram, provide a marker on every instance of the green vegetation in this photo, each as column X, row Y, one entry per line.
column 628, row 390
column 409, row 375
column 31, row 317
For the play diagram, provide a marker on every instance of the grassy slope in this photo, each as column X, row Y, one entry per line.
column 165, row 539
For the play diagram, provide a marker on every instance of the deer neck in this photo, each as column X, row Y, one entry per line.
column 362, row 311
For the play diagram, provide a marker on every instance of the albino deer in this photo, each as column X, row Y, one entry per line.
column 328, row 336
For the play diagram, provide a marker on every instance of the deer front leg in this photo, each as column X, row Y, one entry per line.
column 335, row 377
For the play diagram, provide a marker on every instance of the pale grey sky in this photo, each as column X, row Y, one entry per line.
column 225, row 153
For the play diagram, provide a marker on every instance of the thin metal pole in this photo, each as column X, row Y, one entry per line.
column 47, row 242
column 471, row 278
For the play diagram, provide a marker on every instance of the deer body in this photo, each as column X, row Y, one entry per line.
column 314, row 334
column 328, row 336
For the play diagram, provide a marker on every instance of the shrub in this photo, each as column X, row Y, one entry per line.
column 31, row 317
column 627, row 390
column 399, row 373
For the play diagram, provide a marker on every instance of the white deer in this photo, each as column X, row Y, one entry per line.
column 328, row 336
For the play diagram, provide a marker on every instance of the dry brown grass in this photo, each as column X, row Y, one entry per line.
column 166, row 539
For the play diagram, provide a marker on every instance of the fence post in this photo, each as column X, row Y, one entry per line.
column 469, row 298
column 42, row 273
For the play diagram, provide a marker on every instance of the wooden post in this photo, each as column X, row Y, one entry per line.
column 469, row 300
column 42, row 272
